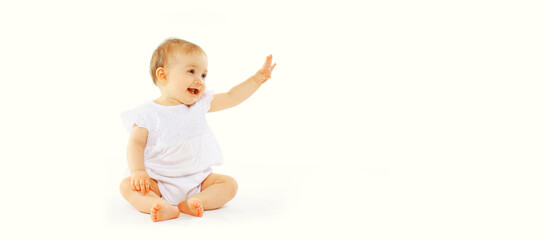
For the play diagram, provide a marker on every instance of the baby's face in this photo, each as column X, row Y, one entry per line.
column 186, row 77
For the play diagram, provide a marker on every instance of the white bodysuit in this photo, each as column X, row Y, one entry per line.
column 180, row 148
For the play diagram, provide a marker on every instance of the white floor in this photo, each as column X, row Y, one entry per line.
column 292, row 201
column 358, row 203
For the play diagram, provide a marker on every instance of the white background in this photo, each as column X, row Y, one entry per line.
column 383, row 119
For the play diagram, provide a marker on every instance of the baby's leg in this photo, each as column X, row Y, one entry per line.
column 216, row 191
column 151, row 203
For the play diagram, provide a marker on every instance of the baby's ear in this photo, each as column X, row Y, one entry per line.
column 161, row 75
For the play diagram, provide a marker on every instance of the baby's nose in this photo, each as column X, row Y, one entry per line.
column 199, row 82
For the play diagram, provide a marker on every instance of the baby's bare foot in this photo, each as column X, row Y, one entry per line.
column 162, row 211
column 191, row 206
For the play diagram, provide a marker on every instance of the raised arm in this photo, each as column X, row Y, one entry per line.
column 243, row 91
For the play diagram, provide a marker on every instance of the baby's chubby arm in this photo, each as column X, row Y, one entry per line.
column 243, row 91
column 140, row 180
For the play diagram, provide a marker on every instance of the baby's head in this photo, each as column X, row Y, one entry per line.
column 179, row 69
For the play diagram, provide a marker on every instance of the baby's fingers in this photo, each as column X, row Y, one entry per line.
column 142, row 187
column 132, row 185
column 267, row 62
column 148, row 188
column 136, row 183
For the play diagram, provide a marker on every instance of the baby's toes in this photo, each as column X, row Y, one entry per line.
column 154, row 211
column 196, row 207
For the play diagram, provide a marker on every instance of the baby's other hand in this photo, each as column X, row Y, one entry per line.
column 264, row 73
column 140, row 181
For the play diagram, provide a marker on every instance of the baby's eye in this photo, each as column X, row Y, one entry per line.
column 191, row 71
column 204, row 76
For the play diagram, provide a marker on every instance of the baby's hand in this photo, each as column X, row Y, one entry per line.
column 264, row 73
column 140, row 181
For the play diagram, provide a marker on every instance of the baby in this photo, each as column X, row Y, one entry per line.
column 171, row 149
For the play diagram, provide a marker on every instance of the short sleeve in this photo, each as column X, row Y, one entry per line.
column 206, row 99
column 136, row 116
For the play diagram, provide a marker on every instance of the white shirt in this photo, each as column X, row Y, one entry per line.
column 179, row 143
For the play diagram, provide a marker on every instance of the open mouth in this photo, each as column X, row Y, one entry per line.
column 193, row 91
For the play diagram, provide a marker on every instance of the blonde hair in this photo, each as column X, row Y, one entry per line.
column 166, row 50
